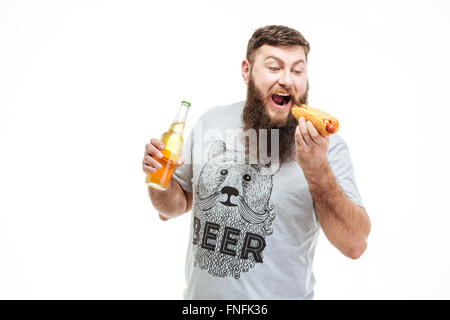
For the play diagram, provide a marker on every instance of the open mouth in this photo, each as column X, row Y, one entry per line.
column 281, row 99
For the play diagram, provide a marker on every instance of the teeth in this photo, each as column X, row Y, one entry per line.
column 283, row 94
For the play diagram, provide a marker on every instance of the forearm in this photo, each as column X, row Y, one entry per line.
column 169, row 203
column 345, row 224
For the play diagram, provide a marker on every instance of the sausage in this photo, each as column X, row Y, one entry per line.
column 330, row 127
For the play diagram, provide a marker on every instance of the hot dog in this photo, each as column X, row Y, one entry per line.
column 322, row 121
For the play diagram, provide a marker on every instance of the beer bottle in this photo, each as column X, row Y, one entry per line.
column 173, row 143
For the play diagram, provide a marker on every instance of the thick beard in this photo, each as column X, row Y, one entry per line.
column 255, row 117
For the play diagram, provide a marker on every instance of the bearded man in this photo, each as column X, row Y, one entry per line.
column 255, row 224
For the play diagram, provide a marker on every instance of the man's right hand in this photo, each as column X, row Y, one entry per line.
column 152, row 152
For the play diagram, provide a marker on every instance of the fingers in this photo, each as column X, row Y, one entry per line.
column 314, row 134
column 304, row 130
column 148, row 169
column 157, row 143
column 153, row 148
column 150, row 161
column 308, row 136
column 150, row 165
column 303, row 138
column 152, row 151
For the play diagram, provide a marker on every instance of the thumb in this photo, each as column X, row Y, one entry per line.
column 180, row 161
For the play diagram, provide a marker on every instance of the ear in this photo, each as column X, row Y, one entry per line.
column 216, row 148
column 269, row 169
column 246, row 70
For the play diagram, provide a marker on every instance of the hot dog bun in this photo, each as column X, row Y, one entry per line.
column 322, row 121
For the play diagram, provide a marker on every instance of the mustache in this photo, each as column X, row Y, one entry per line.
column 208, row 202
column 247, row 213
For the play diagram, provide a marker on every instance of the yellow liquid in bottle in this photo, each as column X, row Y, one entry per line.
column 173, row 142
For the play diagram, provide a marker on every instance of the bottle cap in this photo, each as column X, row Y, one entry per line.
column 186, row 103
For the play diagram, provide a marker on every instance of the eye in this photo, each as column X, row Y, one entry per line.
column 224, row 172
column 274, row 68
column 247, row 177
column 298, row 72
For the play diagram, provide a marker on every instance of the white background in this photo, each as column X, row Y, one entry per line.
column 84, row 85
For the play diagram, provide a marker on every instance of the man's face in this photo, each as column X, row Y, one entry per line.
column 280, row 76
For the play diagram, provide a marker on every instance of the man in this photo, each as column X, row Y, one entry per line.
column 255, row 225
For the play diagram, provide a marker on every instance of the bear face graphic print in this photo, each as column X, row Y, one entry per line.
column 232, row 213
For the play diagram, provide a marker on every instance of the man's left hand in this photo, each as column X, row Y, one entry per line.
column 311, row 147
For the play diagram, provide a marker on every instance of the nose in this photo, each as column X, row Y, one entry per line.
column 285, row 79
column 230, row 191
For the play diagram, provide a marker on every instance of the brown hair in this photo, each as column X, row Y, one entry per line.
column 275, row 36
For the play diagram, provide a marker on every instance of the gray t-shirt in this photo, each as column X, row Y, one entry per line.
column 253, row 232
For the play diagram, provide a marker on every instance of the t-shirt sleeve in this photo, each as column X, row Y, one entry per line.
column 183, row 174
column 342, row 167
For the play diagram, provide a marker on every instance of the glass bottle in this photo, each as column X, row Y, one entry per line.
column 173, row 143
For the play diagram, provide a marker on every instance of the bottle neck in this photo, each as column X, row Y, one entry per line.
column 180, row 119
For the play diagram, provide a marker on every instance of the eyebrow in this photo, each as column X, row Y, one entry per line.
column 281, row 61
